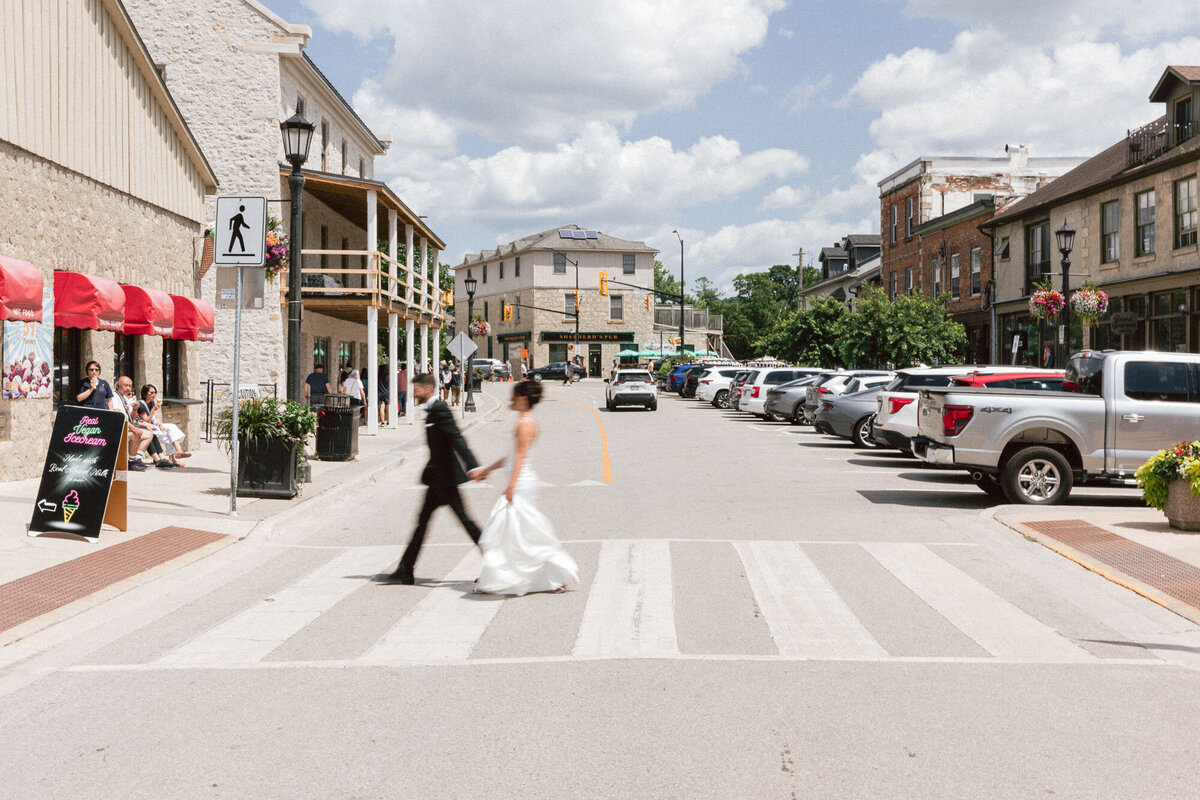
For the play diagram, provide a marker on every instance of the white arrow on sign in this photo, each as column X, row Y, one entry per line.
column 47, row 507
column 461, row 347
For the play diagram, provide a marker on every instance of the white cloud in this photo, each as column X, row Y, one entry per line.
column 596, row 178
column 799, row 96
column 783, row 197
column 534, row 72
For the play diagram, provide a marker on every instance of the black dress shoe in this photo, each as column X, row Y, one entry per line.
column 402, row 575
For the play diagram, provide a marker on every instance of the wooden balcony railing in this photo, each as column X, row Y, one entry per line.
column 383, row 283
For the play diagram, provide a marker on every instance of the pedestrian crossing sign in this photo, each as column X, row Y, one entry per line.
column 240, row 232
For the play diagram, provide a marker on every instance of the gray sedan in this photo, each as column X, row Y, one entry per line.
column 785, row 399
column 849, row 416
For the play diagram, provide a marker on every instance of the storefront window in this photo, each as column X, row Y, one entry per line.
column 68, row 364
column 345, row 355
column 124, row 357
column 558, row 352
column 172, row 366
column 1168, row 324
column 321, row 351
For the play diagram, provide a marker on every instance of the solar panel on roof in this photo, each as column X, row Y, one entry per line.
column 580, row 234
column 566, row 233
column 592, row 234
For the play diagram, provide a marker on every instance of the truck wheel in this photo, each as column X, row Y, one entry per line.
column 990, row 484
column 537, row 378
column 722, row 399
column 1037, row 476
column 861, row 435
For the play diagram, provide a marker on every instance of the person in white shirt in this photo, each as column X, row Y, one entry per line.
column 354, row 388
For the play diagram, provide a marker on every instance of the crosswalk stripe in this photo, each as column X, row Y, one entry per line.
column 250, row 635
column 630, row 610
column 445, row 625
column 996, row 625
column 806, row 617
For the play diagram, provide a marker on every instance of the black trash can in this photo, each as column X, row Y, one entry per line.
column 337, row 429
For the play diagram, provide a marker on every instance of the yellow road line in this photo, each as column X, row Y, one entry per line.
column 603, row 435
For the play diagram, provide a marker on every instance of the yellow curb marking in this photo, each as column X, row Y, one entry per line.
column 603, row 435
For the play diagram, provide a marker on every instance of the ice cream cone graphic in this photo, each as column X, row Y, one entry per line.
column 70, row 505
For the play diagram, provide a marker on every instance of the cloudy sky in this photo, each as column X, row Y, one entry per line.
column 754, row 127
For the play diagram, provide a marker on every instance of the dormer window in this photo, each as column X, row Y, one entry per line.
column 1184, row 127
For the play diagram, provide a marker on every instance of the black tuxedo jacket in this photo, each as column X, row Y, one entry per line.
column 449, row 457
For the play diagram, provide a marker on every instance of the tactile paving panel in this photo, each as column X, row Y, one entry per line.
column 29, row 597
column 1169, row 575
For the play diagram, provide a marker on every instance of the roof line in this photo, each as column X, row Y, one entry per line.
column 383, row 148
column 272, row 17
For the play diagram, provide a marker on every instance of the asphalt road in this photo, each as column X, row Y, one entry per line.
column 764, row 612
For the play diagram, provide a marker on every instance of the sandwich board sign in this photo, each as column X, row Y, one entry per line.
column 240, row 235
column 83, row 480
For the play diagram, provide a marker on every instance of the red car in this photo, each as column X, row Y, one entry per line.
column 1042, row 380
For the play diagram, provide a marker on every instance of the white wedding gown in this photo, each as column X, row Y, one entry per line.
column 521, row 554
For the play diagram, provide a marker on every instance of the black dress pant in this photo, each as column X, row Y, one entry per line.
column 435, row 497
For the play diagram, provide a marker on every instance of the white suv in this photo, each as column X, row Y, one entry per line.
column 896, row 417
column 754, row 391
column 713, row 386
column 631, row 387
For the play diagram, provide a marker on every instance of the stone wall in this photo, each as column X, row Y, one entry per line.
column 60, row 220
column 326, row 156
column 204, row 45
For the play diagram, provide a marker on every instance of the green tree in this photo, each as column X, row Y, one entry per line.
column 811, row 336
column 706, row 293
column 811, row 275
column 899, row 332
column 664, row 281
column 787, row 284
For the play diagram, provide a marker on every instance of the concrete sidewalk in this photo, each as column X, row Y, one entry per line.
column 1121, row 540
column 197, row 496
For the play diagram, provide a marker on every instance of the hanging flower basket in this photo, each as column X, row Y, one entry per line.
column 480, row 328
column 1046, row 303
column 1089, row 302
column 277, row 249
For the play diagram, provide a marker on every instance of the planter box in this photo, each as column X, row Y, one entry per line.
column 268, row 469
column 1183, row 508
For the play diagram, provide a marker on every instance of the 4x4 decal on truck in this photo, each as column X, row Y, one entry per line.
column 996, row 410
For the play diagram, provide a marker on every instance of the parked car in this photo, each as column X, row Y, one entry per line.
column 632, row 387
column 691, row 379
column 836, row 383
column 896, row 414
column 848, row 415
column 735, row 387
column 556, row 371
column 1032, row 446
column 787, row 399
column 675, row 377
column 713, row 386
column 754, row 392
column 492, row 368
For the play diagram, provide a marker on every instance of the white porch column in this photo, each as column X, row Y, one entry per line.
column 410, row 328
column 435, row 276
column 393, row 333
column 372, row 315
column 426, row 357
column 410, row 335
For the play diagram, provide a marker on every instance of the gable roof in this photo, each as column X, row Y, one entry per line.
column 381, row 148
column 1170, row 76
column 865, row 240
column 550, row 240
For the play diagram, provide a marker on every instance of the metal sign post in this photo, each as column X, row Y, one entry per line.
column 462, row 348
column 240, row 242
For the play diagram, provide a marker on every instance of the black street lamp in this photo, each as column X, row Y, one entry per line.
column 680, row 238
column 297, row 136
column 1066, row 242
column 470, row 284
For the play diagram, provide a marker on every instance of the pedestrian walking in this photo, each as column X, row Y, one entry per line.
column 451, row 463
column 456, row 384
column 402, row 390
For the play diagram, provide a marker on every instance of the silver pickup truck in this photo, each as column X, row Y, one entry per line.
column 1032, row 447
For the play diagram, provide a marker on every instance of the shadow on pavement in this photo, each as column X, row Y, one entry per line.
column 937, row 476
column 896, row 462
column 901, row 497
column 1146, row 645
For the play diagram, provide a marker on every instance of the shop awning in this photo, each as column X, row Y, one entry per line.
column 193, row 319
column 20, row 291
column 85, row 301
column 148, row 311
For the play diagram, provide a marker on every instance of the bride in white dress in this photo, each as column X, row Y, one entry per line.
column 521, row 554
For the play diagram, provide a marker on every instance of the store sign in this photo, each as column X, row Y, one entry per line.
column 28, row 349
column 81, row 488
column 1123, row 323
column 586, row 336
column 513, row 338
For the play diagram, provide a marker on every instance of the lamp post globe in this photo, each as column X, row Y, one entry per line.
column 1066, row 242
column 297, row 137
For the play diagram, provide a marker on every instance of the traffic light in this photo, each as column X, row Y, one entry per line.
column 604, row 284
column 577, row 302
column 649, row 302
column 508, row 312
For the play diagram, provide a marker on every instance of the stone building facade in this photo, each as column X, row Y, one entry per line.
column 105, row 180
column 1133, row 208
column 537, row 276
column 204, row 45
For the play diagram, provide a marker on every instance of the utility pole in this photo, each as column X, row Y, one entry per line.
column 681, row 334
column 799, row 254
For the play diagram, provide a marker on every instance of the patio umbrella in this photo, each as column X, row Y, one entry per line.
column 628, row 354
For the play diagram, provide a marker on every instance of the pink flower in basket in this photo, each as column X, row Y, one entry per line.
column 480, row 328
column 1046, row 303
column 1089, row 302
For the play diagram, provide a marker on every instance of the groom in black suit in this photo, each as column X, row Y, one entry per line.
column 450, row 463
